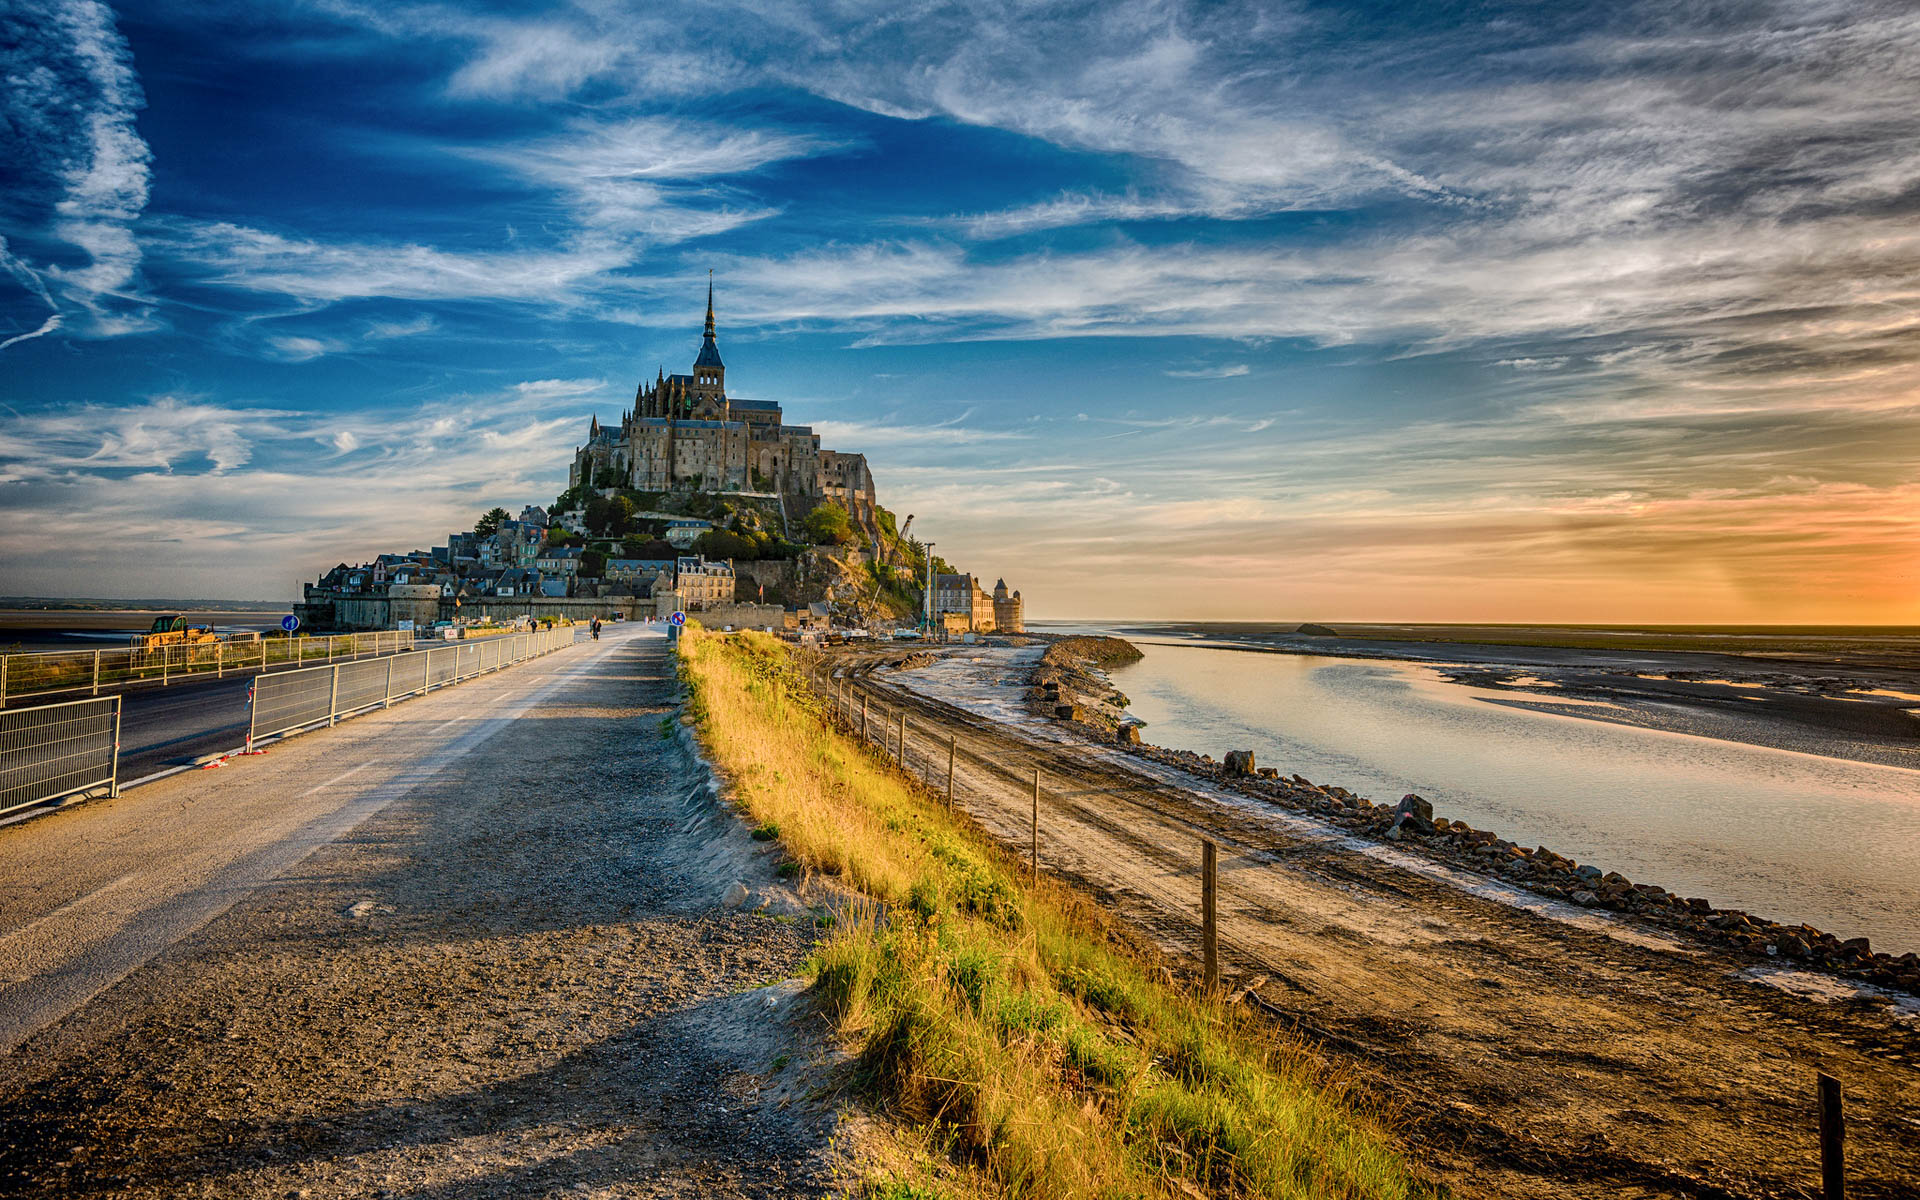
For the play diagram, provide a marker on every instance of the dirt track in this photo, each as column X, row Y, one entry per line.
column 1531, row 1057
column 514, row 976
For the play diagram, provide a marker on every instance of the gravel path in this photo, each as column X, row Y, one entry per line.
column 510, row 976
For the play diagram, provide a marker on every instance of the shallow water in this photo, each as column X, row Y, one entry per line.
column 1789, row 836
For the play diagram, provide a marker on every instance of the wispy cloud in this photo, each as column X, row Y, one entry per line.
column 70, row 101
column 1228, row 371
column 248, row 507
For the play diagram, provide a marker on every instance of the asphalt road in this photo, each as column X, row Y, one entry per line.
column 164, row 727
column 90, row 892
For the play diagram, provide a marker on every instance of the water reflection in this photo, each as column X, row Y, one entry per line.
column 1785, row 835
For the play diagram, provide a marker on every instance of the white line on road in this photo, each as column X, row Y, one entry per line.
column 69, row 906
column 321, row 787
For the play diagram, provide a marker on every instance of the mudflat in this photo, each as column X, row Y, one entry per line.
column 1843, row 692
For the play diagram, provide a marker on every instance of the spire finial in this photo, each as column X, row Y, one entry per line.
column 709, row 302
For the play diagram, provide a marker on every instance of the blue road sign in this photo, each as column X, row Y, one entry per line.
column 678, row 618
column 289, row 622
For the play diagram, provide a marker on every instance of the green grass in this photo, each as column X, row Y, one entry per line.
column 1008, row 1023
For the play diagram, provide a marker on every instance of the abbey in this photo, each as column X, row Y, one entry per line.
column 686, row 434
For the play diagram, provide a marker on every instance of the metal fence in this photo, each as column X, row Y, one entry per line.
column 88, row 672
column 286, row 701
column 57, row 749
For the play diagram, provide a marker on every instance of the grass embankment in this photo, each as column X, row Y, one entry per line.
column 1004, row 1021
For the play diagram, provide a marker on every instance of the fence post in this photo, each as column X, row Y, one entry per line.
column 219, row 660
column 113, row 782
column 426, row 672
column 903, row 737
column 166, row 660
column 863, row 717
column 3, row 681
column 96, row 672
column 1833, row 1132
column 1209, row 926
column 333, row 699
column 263, row 656
column 1035, row 854
column 951, row 741
column 388, row 701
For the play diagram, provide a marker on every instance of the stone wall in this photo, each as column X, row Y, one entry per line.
column 744, row 616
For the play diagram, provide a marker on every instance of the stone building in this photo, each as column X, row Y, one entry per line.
column 686, row 434
column 701, row 584
column 1009, row 612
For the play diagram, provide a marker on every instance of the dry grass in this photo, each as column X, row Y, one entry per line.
column 1004, row 1021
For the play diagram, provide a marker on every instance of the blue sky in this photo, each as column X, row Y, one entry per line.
column 1557, row 312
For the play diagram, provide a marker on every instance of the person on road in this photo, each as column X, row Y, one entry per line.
column 595, row 627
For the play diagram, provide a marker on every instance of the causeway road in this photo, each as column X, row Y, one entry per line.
column 473, row 945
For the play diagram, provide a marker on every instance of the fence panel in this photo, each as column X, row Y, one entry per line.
column 57, row 749
column 441, row 664
column 289, row 699
column 362, row 683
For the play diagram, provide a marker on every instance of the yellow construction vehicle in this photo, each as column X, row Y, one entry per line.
column 174, row 631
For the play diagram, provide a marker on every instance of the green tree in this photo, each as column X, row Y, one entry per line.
column 646, row 547
column 722, row 543
column 593, row 564
column 609, row 517
column 829, row 525
column 489, row 522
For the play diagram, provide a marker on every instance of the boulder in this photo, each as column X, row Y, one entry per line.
column 1127, row 735
column 1858, row 946
column 1792, row 945
column 1067, row 712
column 1584, row 898
column 1591, row 874
column 1239, row 762
column 1415, row 806
column 735, row 896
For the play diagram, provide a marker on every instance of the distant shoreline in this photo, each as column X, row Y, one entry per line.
column 39, row 604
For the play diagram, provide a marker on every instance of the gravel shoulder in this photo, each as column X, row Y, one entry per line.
column 512, row 974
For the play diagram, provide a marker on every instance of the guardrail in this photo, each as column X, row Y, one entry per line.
column 286, row 701
column 88, row 671
column 54, row 750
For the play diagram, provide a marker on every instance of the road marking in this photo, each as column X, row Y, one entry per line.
column 69, row 906
column 319, row 787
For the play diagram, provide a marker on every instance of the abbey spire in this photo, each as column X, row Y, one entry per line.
column 709, row 373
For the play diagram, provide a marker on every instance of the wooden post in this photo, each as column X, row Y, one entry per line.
column 219, row 660
column 1209, row 926
column 1833, row 1131
column 1034, row 854
column 333, row 700
column 903, row 737
column 950, row 747
column 96, row 672
column 863, row 716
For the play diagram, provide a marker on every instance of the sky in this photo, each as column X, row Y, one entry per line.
column 1458, row 312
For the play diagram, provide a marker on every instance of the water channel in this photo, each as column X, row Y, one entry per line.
column 1785, row 835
